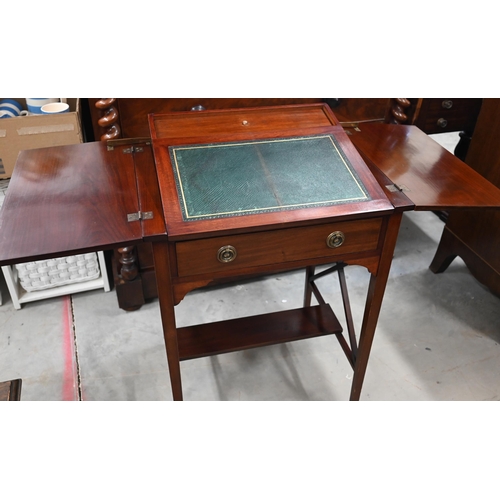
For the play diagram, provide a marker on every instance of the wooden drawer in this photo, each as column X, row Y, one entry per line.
column 275, row 247
column 447, row 115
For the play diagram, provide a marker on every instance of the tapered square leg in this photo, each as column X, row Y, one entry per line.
column 165, row 295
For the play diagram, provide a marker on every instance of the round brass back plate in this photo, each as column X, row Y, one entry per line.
column 226, row 254
column 335, row 239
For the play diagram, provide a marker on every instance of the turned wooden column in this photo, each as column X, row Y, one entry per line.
column 109, row 119
column 126, row 273
column 397, row 111
column 128, row 263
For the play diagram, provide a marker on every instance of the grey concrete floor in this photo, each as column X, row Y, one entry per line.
column 437, row 339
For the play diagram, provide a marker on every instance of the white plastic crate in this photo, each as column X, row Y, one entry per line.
column 43, row 279
column 44, row 274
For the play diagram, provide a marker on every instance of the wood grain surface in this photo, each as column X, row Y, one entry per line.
column 431, row 177
column 68, row 199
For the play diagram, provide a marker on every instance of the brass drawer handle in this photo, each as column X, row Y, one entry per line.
column 226, row 254
column 442, row 123
column 335, row 239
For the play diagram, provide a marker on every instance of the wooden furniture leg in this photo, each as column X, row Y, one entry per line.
column 128, row 283
column 307, row 286
column 165, row 295
column 450, row 247
column 311, row 288
column 445, row 253
column 11, row 390
column 358, row 355
column 373, row 305
column 348, row 313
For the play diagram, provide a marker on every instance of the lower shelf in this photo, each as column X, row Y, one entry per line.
column 256, row 331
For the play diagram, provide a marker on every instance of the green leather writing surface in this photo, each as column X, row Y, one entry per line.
column 240, row 178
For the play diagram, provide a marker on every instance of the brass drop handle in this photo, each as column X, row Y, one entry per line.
column 335, row 239
column 226, row 254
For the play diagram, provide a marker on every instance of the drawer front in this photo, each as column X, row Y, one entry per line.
column 448, row 115
column 221, row 254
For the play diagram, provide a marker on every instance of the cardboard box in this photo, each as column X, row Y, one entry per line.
column 37, row 131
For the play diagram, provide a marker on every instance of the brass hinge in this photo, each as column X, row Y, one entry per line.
column 116, row 143
column 139, row 216
column 350, row 125
column 394, row 188
column 133, row 149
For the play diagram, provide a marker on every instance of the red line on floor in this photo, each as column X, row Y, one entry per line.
column 69, row 390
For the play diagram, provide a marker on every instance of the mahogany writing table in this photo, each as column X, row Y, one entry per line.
column 223, row 195
column 259, row 191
